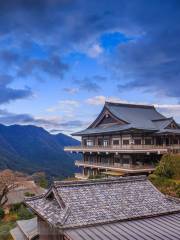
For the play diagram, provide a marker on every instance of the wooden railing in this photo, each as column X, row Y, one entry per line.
column 115, row 166
column 130, row 146
column 121, row 147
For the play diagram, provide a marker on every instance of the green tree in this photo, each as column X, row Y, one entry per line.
column 166, row 167
column 40, row 179
column 43, row 182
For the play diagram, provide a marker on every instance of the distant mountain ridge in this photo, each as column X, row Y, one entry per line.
column 30, row 149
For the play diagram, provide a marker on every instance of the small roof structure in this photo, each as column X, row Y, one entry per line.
column 17, row 234
column 76, row 204
column 130, row 117
column 26, row 229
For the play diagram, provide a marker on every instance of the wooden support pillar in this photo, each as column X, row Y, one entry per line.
column 164, row 140
column 154, row 140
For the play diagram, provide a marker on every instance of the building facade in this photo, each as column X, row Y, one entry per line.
column 125, row 139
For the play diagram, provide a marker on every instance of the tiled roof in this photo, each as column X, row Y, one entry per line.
column 26, row 229
column 142, row 117
column 157, row 228
column 110, row 129
column 17, row 234
column 84, row 203
column 176, row 131
column 162, row 123
column 138, row 115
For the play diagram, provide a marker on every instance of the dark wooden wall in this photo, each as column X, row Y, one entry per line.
column 47, row 232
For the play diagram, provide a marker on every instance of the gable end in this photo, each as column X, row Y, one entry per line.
column 173, row 125
column 106, row 117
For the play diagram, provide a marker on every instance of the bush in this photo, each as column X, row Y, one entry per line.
column 178, row 190
column 1, row 214
column 28, row 194
column 5, row 230
column 43, row 182
column 15, row 207
column 169, row 166
column 24, row 213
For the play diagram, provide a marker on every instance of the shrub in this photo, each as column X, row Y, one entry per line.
column 24, row 213
column 15, row 207
column 178, row 190
column 4, row 230
column 1, row 214
column 166, row 177
column 43, row 182
column 28, row 194
column 166, row 167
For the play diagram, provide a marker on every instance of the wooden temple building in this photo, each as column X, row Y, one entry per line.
column 124, row 208
column 125, row 139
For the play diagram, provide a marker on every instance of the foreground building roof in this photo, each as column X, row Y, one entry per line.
column 130, row 116
column 165, row 227
column 76, row 204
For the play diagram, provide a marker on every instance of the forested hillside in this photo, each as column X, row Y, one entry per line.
column 31, row 149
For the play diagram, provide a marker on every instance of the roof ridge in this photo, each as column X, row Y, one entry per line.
column 163, row 119
column 99, row 181
column 34, row 197
column 130, row 105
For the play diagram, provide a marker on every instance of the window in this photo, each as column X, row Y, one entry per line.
column 137, row 141
column 90, row 143
column 125, row 161
column 148, row 141
column 106, row 143
column 126, row 142
column 116, row 142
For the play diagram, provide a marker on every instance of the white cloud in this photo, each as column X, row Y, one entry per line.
column 94, row 51
column 65, row 106
column 97, row 100
column 169, row 106
column 100, row 100
column 116, row 99
column 169, row 110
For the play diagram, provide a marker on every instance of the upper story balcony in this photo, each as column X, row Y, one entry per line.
column 131, row 148
column 126, row 168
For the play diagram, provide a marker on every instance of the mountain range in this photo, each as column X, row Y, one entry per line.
column 31, row 149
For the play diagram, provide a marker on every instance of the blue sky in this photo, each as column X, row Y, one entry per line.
column 61, row 59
